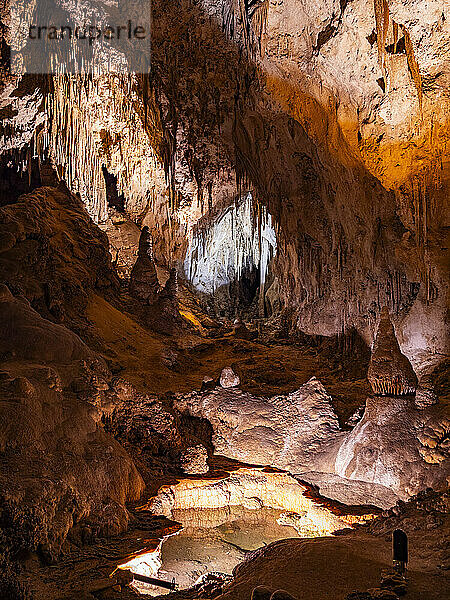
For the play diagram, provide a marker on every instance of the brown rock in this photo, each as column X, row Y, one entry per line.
column 380, row 594
column 240, row 331
column 282, row 595
column 390, row 372
column 144, row 285
column 261, row 593
column 425, row 397
column 163, row 315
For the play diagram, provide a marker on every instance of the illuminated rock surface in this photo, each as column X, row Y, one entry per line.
column 288, row 161
column 194, row 460
column 300, row 432
column 229, row 379
column 390, row 372
column 390, row 446
column 290, row 432
column 314, row 110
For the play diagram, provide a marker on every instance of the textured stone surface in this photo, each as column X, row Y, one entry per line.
column 55, row 254
column 397, row 446
column 228, row 378
column 332, row 115
column 325, row 569
column 394, row 445
column 390, row 372
column 271, row 489
column 290, row 432
column 144, row 284
column 193, row 460
column 46, row 491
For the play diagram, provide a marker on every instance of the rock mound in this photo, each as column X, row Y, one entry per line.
column 289, row 432
column 193, row 460
column 390, row 372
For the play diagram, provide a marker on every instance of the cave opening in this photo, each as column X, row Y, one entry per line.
column 19, row 174
column 113, row 198
column 228, row 259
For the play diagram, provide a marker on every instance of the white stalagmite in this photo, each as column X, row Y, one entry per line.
column 239, row 239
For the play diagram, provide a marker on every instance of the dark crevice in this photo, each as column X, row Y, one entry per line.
column 114, row 199
column 325, row 35
column 398, row 48
column 14, row 179
column 372, row 38
column 382, row 83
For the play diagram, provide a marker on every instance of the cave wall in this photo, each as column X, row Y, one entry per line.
column 333, row 115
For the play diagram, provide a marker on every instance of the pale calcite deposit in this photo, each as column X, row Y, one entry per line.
column 290, row 432
column 397, row 446
column 394, row 445
column 271, row 489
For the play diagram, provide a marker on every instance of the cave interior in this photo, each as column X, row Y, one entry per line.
column 224, row 367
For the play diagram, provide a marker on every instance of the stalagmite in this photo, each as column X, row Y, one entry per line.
column 390, row 372
column 170, row 290
column 144, row 285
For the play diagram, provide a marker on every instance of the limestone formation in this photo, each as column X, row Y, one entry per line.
column 61, row 471
column 289, row 158
column 270, row 489
column 241, row 331
column 425, row 397
column 163, row 315
column 406, row 461
column 169, row 293
column 193, row 460
column 390, row 372
column 55, row 254
column 300, row 432
column 229, row 379
column 289, row 432
column 369, row 71
column 144, row 284
column 426, row 394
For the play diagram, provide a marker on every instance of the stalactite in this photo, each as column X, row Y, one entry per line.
column 395, row 35
column 413, row 65
column 219, row 252
column 382, row 25
column 95, row 124
column 248, row 19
